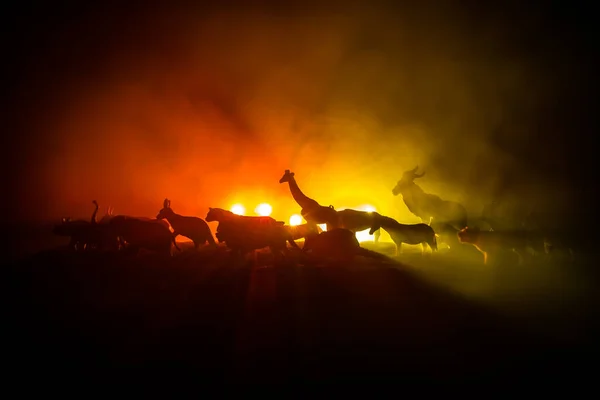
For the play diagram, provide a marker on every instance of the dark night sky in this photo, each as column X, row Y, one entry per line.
column 128, row 105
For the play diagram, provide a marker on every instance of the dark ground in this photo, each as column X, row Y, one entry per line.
column 196, row 320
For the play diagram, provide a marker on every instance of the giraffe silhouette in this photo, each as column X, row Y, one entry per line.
column 311, row 210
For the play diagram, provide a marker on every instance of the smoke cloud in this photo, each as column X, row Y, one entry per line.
column 209, row 107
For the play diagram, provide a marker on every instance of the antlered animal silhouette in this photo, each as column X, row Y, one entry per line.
column 311, row 210
column 244, row 234
column 338, row 244
column 357, row 221
column 145, row 233
column 429, row 207
column 414, row 234
column 193, row 228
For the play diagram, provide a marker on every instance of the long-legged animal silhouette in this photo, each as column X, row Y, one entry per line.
column 311, row 210
column 357, row 221
column 244, row 234
column 493, row 243
column 338, row 244
column 191, row 227
column 431, row 208
column 414, row 234
column 426, row 206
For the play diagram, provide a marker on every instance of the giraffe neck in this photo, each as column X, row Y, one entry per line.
column 302, row 200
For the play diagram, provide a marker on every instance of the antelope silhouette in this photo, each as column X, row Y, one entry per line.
column 422, row 234
column 426, row 206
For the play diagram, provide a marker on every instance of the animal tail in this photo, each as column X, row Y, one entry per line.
column 95, row 203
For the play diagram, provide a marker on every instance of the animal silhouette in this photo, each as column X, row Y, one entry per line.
column 338, row 244
column 357, row 221
column 78, row 231
column 144, row 233
column 311, row 210
column 193, row 228
column 492, row 244
column 429, row 207
column 84, row 235
column 413, row 234
column 244, row 234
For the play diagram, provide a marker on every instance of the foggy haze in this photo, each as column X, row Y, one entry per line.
column 209, row 108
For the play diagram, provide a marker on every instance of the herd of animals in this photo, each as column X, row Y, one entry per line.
column 444, row 221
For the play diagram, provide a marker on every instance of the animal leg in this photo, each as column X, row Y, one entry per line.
column 398, row 249
column 377, row 235
column 211, row 240
column 175, row 243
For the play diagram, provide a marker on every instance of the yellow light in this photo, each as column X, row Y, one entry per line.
column 363, row 236
column 323, row 227
column 368, row 208
column 295, row 220
column 264, row 209
column 238, row 209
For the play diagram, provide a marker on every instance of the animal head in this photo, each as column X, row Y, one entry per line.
column 375, row 226
column 287, row 176
column 407, row 180
column 217, row 214
column 166, row 210
column 468, row 235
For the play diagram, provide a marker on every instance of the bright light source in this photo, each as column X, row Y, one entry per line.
column 363, row 236
column 368, row 208
column 263, row 209
column 295, row 220
column 238, row 209
column 323, row 227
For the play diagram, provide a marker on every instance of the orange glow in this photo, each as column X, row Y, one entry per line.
column 238, row 209
column 263, row 209
column 295, row 220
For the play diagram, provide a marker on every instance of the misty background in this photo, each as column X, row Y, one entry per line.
column 208, row 105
